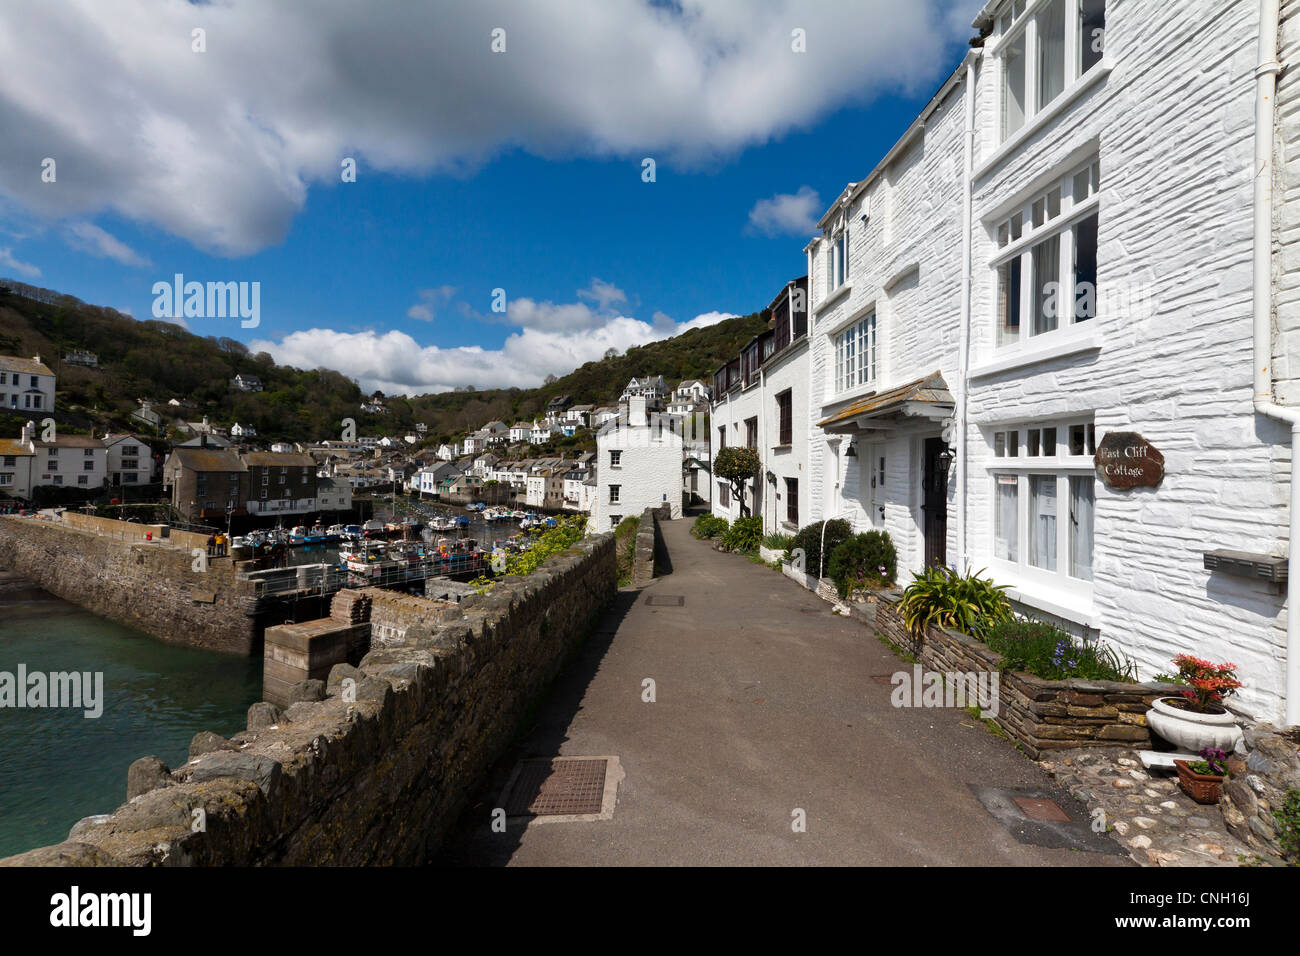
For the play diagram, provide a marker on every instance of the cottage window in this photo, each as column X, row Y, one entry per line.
column 1043, row 502
column 88, row 465
column 83, row 479
column 1046, row 270
column 1043, row 47
column 751, row 432
column 6, row 478
column 11, row 461
column 785, row 417
column 792, row 500
column 855, row 355
column 614, row 492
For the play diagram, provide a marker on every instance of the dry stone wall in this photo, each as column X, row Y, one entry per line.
column 367, row 772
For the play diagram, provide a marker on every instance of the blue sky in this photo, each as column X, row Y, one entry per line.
column 458, row 192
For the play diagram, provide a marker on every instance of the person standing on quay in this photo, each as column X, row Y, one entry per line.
column 212, row 545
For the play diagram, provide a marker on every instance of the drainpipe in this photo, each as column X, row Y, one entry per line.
column 968, row 160
column 1265, row 92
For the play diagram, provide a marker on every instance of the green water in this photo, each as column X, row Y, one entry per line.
column 57, row 766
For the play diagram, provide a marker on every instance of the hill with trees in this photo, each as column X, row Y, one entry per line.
column 158, row 361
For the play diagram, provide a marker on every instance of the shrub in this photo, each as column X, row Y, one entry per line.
column 809, row 539
column 1288, row 827
column 1048, row 652
column 743, row 535
column 941, row 597
column 863, row 561
column 737, row 465
column 625, row 547
column 709, row 526
column 777, row 541
column 1208, row 684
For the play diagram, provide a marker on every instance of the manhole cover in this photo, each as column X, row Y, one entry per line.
column 667, row 600
column 886, row 679
column 1037, row 809
column 563, row 788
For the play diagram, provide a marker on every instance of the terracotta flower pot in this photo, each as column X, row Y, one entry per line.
column 1190, row 730
column 1201, row 787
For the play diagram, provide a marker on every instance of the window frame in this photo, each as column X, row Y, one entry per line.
column 1062, row 465
column 854, row 371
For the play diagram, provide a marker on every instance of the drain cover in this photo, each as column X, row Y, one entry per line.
column 667, row 600
column 563, row 788
column 1038, row 809
column 886, row 679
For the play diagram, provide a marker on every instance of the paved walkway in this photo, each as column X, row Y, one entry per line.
column 765, row 703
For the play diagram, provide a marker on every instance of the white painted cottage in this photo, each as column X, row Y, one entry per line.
column 1073, row 241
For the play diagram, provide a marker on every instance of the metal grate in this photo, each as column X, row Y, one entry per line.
column 560, row 786
column 886, row 679
column 1039, row 809
column 667, row 600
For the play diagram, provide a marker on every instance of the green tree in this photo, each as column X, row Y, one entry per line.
column 737, row 465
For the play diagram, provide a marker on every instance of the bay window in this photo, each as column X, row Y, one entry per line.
column 1046, row 266
column 1043, row 47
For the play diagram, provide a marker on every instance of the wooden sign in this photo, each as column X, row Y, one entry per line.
column 1127, row 460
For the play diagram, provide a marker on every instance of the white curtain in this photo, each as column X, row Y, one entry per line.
column 1082, row 506
column 1047, row 300
column 1006, row 533
column 1051, row 52
column 1042, row 522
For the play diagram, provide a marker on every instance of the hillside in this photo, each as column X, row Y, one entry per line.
column 159, row 361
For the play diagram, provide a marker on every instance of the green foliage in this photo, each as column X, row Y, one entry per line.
column 737, row 464
column 777, row 541
column 1288, row 827
column 709, row 526
column 743, row 535
column 940, row 597
column 1046, row 651
column 625, row 547
column 567, row 532
column 809, row 539
column 864, row 561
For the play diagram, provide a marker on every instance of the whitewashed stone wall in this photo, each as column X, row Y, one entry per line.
column 1286, row 180
column 1174, row 141
column 906, row 263
column 731, row 412
column 649, row 473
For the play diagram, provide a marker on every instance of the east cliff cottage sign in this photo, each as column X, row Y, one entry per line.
column 1127, row 460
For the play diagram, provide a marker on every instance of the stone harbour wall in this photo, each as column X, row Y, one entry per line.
column 150, row 586
column 372, row 771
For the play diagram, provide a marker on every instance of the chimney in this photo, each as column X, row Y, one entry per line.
column 636, row 411
column 29, row 432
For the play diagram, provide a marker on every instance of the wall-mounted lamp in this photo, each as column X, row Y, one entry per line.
column 853, row 449
column 945, row 458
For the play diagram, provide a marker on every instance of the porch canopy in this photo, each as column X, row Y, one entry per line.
column 927, row 398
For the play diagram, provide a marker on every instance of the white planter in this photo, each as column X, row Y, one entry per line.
column 770, row 554
column 1192, row 731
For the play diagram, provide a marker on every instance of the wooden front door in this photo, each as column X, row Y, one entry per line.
column 934, row 503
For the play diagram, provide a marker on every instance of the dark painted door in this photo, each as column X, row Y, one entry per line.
column 934, row 503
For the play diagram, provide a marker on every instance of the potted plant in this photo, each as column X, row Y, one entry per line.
column 1198, row 719
column 1202, row 780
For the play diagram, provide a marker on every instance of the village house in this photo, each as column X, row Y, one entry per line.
column 652, row 388
column 639, row 466
column 130, row 461
column 520, row 432
column 280, row 484
column 73, row 461
column 761, row 402
column 688, row 396
column 242, row 431
column 147, row 414
column 206, row 484
column 26, row 384
column 81, row 357
column 1001, row 302
column 333, row 495
column 579, row 415
column 17, row 467
column 247, row 383
column 540, row 434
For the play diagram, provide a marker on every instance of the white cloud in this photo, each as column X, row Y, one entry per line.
column 221, row 147
column 603, row 293
column 395, row 363
column 90, row 238
column 430, row 299
column 787, row 214
column 7, row 261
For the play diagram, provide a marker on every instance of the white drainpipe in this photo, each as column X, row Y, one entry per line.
column 1265, row 92
column 968, row 161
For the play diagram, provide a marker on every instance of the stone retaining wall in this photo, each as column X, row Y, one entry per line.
column 149, row 586
column 377, row 779
column 1038, row 714
column 1259, row 784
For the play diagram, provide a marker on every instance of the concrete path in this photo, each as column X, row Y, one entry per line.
column 765, row 704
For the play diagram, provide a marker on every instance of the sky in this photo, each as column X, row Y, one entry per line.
column 427, row 196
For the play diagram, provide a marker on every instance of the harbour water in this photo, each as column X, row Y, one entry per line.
column 56, row 765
